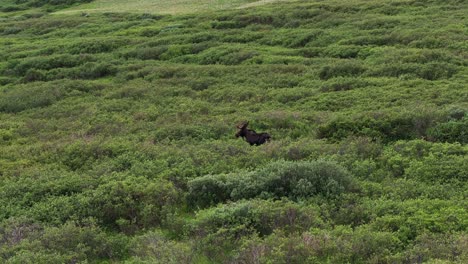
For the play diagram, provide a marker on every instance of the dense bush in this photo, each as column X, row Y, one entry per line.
column 117, row 132
column 260, row 216
column 341, row 69
column 439, row 168
column 296, row 180
column 341, row 244
column 225, row 56
column 66, row 243
column 39, row 3
column 20, row 68
column 428, row 158
column 217, row 228
column 154, row 247
column 26, row 97
column 404, row 125
column 147, row 53
column 451, row 131
column 94, row 46
column 132, row 203
column 344, row 84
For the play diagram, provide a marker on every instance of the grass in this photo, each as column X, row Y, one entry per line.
column 161, row 6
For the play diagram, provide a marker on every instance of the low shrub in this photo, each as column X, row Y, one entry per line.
column 451, row 131
column 65, row 243
column 344, row 84
column 225, row 56
column 154, row 247
column 341, row 69
column 94, row 70
column 93, row 47
column 339, row 245
column 28, row 97
column 39, row 3
column 262, row 217
column 383, row 126
column 342, row 51
column 437, row 168
column 146, row 53
column 209, row 190
column 296, row 180
column 132, row 203
column 417, row 153
column 438, row 248
column 21, row 67
column 429, row 71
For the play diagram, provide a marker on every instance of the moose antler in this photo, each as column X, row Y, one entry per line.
column 243, row 125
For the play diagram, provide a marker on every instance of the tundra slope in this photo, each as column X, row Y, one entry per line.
column 116, row 135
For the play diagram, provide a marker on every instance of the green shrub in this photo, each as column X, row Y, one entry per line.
column 439, row 248
column 94, row 46
column 132, row 203
column 188, row 132
column 81, row 154
column 154, row 247
column 344, row 84
column 451, row 131
column 411, row 217
column 34, row 76
column 31, row 257
column 66, row 243
column 209, row 190
column 419, row 153
column 146, row 53
column 226, row 24
column 28, row 97
column 260, row 216
column 20, row 68
column 91, row 162
column 435, row 168
column 93, row 70
column 57, row 210
column 225, row 56
column 343, row 52
column 11, row 8
column 429, row 71
column 384, row 126
column 341, row 69
column 339, row 245
column 39, row 3
column 218, row 229
column 296, row 180
column 10, row 30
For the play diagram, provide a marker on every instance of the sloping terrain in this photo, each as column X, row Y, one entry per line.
column 117, row 134
column 162, row 6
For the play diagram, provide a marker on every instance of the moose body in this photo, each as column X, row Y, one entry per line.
column 251, row 136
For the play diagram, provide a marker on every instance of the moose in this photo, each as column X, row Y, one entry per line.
column 251, row 136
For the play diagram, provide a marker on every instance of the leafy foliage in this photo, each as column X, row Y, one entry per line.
column 117, row 133
column 296, row 180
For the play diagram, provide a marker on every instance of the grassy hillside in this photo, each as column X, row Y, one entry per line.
column 117, row 134
column 162, row 6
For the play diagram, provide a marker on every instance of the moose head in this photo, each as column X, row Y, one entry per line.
column 251, row 136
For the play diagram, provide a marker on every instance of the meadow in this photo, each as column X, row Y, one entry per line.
column 117, row 132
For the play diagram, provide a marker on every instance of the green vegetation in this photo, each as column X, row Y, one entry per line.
column 49, row 5
column 117, row 134
column 159, row 6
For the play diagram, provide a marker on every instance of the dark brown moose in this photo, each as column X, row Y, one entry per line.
column 251, row 136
